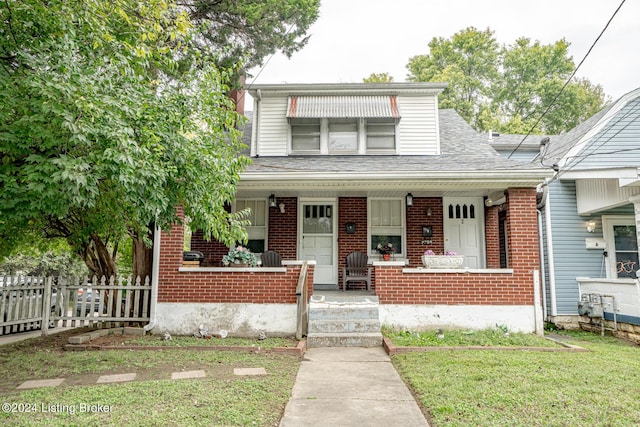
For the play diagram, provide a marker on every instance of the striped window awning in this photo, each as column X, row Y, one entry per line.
column 332, row 107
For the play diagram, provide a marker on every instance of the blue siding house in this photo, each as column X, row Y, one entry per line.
column 590, row 214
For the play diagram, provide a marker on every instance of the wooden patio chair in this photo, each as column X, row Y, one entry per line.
column 356, row 270
column 271, row 259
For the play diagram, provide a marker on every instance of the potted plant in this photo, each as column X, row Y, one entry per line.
column 385, row 250
column 449, row 259
column 240, row 257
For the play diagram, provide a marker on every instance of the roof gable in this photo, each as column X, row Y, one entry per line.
column 610, row 138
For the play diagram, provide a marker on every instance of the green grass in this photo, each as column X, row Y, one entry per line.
column 498, row 336
column 181, row 341
column 493, row 388
column 220, row 399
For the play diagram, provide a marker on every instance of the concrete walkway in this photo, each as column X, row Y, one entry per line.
column 350, row 386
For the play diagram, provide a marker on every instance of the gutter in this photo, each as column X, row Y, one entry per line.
column 155, row 275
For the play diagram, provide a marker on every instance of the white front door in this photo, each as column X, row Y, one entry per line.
column 464, row 229
column 317, row 226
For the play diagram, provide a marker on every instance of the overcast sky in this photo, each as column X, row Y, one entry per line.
column 354, row 38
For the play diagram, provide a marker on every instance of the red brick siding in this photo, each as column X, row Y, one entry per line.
column 213, row 250
column 283, row 228
column 394, row 287
column 221, row 287
column 351, row 209
column 416, row 218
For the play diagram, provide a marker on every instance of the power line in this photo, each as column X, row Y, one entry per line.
column 553, row 101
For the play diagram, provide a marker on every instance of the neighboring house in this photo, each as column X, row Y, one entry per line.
column 339, row 168
column 591, row 215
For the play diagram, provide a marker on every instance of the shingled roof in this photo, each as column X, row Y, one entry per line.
column 462, row 149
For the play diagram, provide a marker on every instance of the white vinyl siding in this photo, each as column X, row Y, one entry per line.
column 416, row 133
column 273, row 127
column 418, row 128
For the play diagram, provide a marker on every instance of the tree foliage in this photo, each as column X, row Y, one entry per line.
column 109, row 120
column 251, row 31
column 378, row 78
column 508, row 88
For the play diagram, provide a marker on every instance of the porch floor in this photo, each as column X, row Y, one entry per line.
column 340, row 296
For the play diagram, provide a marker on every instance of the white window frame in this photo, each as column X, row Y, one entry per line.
column 401, row 228
column 299, row 122
column 381, row 150
column 324, row 149
column 608, row 222
column 257, row 232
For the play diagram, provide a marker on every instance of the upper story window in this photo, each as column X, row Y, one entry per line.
column 343, row 124
column 381, row 134
column 305, row 135
column 343, row 136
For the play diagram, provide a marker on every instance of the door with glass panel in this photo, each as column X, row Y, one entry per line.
column 317, row 239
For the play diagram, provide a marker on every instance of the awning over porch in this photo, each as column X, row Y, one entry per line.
column 316, row 107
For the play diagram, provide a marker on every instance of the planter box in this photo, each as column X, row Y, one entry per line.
column 442, row 261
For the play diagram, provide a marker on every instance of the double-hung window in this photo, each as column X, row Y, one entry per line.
column 622, row 246
column 257, row 231
column 386, row 224
column 381, row 135
column 343, row 136
column 305, row 135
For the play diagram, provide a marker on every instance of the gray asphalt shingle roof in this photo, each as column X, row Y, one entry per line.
column 462, row 149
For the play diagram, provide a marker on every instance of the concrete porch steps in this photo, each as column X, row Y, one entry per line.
column 344, row 319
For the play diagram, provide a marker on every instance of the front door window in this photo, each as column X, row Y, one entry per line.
column 318, row 241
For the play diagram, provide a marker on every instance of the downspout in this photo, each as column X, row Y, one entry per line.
column 256, row 123
column 155, row 275
column 550, row 258
column 542, row 266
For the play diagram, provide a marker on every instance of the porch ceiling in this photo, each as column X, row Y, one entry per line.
column 254, row 186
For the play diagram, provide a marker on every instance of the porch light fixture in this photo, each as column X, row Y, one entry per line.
column 272, row 201
column 591, row 226
column 281, row 206
column 409, row 199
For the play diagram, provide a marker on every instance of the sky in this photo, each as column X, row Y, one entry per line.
column 353, row 38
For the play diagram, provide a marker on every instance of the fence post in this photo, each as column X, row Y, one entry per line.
column 46, row 306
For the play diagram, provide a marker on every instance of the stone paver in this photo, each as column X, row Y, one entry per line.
column 187, row 375
column 117, row 378
column 41, row 383
column 249, row 371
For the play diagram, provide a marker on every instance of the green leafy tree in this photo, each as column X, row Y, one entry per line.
column 512, row 89
column 467, row 62
column 251, row 31
column 110, row 120
column 378, row 78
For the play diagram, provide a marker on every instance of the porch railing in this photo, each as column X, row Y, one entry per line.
column 302, row 298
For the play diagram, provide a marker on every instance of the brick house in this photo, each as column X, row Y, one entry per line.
column 339, row 168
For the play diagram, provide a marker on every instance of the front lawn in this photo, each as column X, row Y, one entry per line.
column 221, row 398
column 599, row 387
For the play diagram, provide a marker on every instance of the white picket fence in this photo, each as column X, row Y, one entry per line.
column 29, row 303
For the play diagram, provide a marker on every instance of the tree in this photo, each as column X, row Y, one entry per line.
column 378, row 78
column 109, row 121
column 512, row 89
column 467, row 62
column 251, row 31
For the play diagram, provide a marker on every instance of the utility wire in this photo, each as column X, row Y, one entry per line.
column 553, row 101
